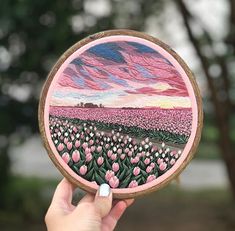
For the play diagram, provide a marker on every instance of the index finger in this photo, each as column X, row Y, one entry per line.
column 63, row 192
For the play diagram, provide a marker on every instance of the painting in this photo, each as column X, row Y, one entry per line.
column 120, row 112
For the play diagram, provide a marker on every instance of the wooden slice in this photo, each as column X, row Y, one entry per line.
column 120, row 107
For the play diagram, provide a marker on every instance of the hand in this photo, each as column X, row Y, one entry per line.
column 93, row 213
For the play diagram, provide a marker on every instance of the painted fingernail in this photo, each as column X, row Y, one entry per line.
column 104, row 190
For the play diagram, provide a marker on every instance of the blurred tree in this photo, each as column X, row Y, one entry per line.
column 220, row 84
column 33, row 34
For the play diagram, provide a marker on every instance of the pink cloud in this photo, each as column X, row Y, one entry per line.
column 143, row 90
column 152, row 91
column 97, row 73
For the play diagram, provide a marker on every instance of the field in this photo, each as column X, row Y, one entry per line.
column 168, row 125
column 101, row 144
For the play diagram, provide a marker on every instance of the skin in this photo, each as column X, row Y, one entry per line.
column 92, row 213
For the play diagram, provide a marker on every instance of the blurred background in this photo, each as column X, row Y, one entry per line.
column 33, row 35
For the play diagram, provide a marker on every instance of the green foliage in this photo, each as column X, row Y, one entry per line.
column 28, row 197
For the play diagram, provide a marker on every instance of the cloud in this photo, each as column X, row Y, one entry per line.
column 122, row 64
column 138, row 76
column 143, row 90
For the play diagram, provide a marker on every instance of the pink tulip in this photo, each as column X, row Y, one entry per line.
column 99, row 149
column 88, row 157
column 76, row 156
column 122, row 156
column 85, row 145
column 152, row 165
column 109, row 174
column 132, row 160
column 149, row 169
column 147, row 161
column 129, row 153
column 114, row 182
column 135, row 160
column 92, row 148
column 115, row 167
column 60, row 147
column 119, row 151
column 106, row 146
column 113, row 157
column 87, row 150
column 136, row 171
column 69, row 145
column 66, row 157
column 83, row 170
column 133, row 184
column 172, row 162
column 126, row 150
column 77, row 143
column 110, row 152
column 100, row 160
column 66, row 140
column 159, row 161
column 162, row 166
column 91, row 142
column 150, row 178
column 75, row 129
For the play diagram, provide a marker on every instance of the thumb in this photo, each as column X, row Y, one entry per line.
column 103, row 200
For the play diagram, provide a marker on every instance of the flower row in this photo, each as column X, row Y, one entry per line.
column 119, row 160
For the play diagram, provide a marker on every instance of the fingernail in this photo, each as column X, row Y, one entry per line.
column 104, row 190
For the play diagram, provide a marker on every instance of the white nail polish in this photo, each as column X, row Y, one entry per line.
column 104, row 190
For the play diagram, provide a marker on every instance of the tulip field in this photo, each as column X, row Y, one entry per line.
column 168, row 125
column 109, row 146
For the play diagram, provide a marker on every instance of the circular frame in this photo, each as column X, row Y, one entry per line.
column 63, row 58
